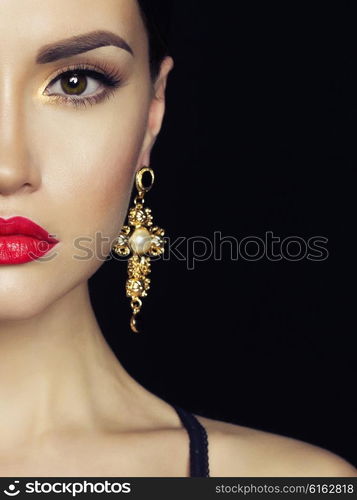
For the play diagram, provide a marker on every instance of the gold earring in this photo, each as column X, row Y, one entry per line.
column 143, row 239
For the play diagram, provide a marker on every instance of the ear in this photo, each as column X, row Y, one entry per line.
column 156, row 112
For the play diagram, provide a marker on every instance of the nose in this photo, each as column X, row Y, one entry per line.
column 17, row 174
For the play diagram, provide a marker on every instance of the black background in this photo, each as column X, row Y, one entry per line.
column 255, row 139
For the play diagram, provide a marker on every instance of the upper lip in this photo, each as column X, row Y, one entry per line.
column 24, row 226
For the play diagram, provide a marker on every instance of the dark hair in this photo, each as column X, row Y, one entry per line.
column 156, row 17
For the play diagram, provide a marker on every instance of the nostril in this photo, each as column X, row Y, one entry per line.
column 27, row 187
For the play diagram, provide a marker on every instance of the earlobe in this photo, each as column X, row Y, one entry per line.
column 144, row 160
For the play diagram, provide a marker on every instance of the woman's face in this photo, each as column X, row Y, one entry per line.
column 70, row 147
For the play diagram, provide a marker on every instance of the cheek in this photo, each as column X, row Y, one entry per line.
column 91, row 178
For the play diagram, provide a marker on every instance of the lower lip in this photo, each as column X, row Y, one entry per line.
column 19, row 249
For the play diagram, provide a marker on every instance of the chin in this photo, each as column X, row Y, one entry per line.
column 23, row 295
column 22, row 304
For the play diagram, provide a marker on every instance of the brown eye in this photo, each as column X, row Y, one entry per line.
column 81, row 85
column 73, row 83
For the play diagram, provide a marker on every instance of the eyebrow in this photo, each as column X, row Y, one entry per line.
column 80, row 43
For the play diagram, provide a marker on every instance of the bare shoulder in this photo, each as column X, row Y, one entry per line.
column 239, row 451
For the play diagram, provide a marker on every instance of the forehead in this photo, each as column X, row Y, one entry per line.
column 25, row 24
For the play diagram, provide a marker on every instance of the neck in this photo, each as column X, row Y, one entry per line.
column 53, row 368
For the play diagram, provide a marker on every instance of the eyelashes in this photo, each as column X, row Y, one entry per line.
column 76, row 82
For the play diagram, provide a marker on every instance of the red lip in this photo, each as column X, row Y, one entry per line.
column 21, row 240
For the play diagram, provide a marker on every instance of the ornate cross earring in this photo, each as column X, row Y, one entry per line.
column 143, row 239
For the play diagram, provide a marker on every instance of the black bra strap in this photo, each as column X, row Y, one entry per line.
column 199, row 466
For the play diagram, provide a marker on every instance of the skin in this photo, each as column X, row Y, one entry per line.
column 67, row 405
